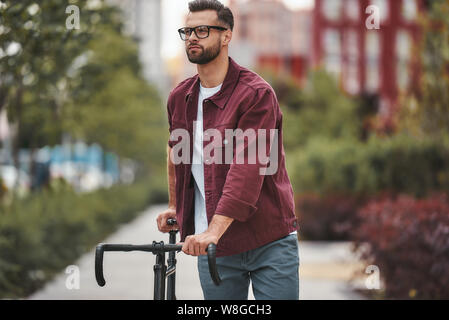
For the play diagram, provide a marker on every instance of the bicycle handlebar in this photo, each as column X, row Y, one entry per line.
column 211, row 250
column 156, row 247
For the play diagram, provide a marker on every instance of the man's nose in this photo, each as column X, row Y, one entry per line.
column 193, row 34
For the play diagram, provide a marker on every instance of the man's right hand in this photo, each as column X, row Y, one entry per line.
column 162, row 220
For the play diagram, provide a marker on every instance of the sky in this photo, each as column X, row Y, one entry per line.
column 173, row 12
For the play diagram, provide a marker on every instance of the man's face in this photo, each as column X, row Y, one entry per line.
column 202, row 51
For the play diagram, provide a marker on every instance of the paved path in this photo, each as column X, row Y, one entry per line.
column 325, row 269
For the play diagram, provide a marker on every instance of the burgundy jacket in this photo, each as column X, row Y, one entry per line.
column 262, row 205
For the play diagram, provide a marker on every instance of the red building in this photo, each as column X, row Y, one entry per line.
column 268, row 35
column 375, row 61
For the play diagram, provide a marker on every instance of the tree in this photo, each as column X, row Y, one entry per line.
column 426, row 109
column 85, row 82
column 320, row 109
column 113, row 105
column 37, row 55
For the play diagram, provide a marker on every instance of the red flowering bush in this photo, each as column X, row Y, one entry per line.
column 408, row 239
column 330, row 217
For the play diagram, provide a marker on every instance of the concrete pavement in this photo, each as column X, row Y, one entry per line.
column 325, row 269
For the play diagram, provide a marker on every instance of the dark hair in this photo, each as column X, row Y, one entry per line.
column 224, row 13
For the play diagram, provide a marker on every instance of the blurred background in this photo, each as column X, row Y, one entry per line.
column 83, row 131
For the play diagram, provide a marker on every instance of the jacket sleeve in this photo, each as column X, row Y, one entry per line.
column 244, row 180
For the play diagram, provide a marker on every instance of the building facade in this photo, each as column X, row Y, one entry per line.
column 367, row 59
column 143, row 22
column 268, row 35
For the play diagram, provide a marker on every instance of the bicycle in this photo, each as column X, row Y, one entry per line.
column 162, row 272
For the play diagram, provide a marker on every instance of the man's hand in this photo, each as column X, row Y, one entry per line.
column 162, row 220
column 196, row 245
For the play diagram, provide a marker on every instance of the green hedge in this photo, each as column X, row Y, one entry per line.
column 42, row 234
column 397, row 164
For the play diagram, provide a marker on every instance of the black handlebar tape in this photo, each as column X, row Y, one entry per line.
column 99, row 251
column 211, row 251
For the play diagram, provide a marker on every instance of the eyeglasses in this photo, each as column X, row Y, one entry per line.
column 201, row 32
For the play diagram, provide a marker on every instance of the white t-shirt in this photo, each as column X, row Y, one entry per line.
column 201, row 223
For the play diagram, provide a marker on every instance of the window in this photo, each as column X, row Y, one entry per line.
column 352, row 9
column 332, row 51
column 351, row 71
column 372, row 61
column 332, row 9
column 403, row 47
column 383, row 6
column 409, row 9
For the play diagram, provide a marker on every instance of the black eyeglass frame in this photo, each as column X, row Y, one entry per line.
column 194, row 30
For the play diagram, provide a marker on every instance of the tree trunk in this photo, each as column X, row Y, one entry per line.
column 16, row 135
column 33, row 177
column 3, row 95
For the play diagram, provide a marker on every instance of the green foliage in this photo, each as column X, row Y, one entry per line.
column 397, row 164
column 113, row 105
column 86, row 82
column 35, row 77
column 318, row 110
column 44, row 233
column 323, row 131
column 425, row 111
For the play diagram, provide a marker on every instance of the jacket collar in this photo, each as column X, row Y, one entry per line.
column 221, row 97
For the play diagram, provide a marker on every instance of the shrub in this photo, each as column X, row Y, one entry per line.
column 327, row 218
column 399, row 165
column 408, row 239
column 42, row 234
column 318, row 110
column 3, row 189
column 341, row 174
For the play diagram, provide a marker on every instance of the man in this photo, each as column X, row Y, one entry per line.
column 242, row 206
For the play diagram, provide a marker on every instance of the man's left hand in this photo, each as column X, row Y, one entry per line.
column 196, row 245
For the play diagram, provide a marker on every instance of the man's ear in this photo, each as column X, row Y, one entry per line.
column 227, row 37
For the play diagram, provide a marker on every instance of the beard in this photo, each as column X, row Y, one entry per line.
column 206, row 55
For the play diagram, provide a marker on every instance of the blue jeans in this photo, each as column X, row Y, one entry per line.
column 273, row 270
